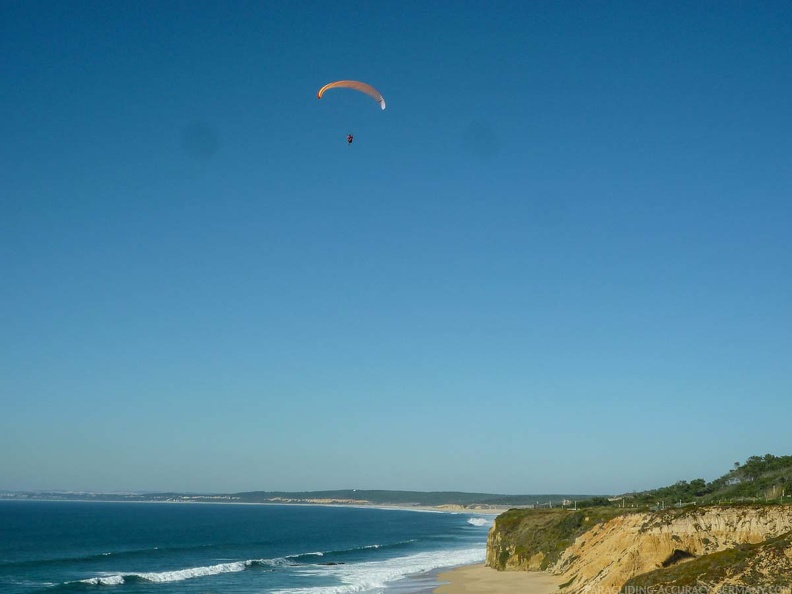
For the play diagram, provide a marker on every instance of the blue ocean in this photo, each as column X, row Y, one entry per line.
column 162, row 548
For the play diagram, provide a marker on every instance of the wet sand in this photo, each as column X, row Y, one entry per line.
column 478, row 579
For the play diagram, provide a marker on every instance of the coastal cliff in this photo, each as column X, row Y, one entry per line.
column 595, row 549
column 767, row 564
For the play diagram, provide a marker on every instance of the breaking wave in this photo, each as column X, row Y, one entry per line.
column 304, row 560
column 375, row 575
column 341, row 553
column 351, row 577
column 179, row 575
column 478, row 521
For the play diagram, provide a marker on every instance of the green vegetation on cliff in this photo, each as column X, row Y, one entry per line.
column 760, row 479
column 525, row 533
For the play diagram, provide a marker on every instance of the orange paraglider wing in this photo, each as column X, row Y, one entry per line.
column 357, row 86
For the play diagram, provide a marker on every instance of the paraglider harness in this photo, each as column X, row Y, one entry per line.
column 349, row 138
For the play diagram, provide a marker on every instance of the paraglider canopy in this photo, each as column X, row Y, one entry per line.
column 355, row 85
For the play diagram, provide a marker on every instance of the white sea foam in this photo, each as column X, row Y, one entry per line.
column 179, row 575
column 192, row 572
column 107, row 580
column 373, row 575
column 478, row 521
column 270, row 562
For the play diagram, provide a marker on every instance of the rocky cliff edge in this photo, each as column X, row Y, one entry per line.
column 600, row 554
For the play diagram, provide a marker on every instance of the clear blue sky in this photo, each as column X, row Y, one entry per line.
column 559, row 261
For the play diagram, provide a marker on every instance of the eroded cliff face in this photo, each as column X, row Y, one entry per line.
column 612, row 552
column 764, row 567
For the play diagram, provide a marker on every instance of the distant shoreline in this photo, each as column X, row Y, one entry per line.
column 446, row 508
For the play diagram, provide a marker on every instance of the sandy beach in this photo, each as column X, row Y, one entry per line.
column 478, row 579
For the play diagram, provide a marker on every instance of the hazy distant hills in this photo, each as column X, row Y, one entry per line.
column 341, row 496
column 422, row 498
column 760, row 478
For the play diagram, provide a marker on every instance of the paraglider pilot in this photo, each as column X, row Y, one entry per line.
column 349, row 138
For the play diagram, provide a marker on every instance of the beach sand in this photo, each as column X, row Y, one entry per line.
column 478, row 579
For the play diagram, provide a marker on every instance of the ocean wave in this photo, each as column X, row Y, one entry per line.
column 374, row 575
column 193, row 572
column 392, row 545
column 349, row 577
column 230, row 566
column 110, row 580
column 179, row 575
column 478, row 521
column 307, row 557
